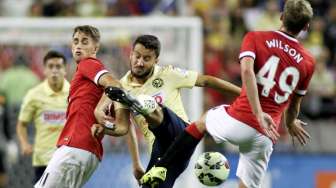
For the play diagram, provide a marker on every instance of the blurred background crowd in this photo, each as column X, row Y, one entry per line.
column 224, row 24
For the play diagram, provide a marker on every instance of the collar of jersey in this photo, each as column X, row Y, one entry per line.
column 287, row 36
column 50, row 92
column 133, row 84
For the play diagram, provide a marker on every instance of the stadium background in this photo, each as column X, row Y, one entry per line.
column 224, row 23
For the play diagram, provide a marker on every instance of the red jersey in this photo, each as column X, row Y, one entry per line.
column 282, row 66
column 83, row 97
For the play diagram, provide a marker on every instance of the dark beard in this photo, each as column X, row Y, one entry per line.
column 144, row 75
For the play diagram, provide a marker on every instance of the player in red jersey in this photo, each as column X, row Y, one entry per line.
column 79, row 153
column 275, row 71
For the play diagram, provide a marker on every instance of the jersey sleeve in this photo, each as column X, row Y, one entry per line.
column 182, row 78
column 248, row 47
column 303, row 84
column 92, row 69
column 27, row 108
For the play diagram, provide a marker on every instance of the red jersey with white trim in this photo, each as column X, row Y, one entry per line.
column 83, row 97
column 282, row 66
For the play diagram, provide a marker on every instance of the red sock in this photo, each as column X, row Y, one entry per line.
column 194, row 132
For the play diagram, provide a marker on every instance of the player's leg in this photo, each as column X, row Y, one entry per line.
column 181, row 148
column 154, row 118
column 253, row 160
column 38, row 171
column 69, row 167
column 254, row 147
column 165, row 134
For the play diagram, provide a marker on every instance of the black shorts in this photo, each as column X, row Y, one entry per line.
column 38, row 171
column 165, row 134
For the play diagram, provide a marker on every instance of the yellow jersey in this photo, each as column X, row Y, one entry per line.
column 164, row 85
column 47, row 110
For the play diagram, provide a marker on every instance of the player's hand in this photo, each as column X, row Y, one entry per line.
column 26, row 149
column 297, row 131
column 138, row 172
column 267, row 124
column 97, row 130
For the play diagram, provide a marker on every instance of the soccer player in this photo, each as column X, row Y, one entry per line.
column 45, row 105
column 275, row 71
column 78, row 153
column 164, row 84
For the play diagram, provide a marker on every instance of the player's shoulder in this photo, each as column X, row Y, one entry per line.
column 171, row 69
column 125, row 79
column 35, row 91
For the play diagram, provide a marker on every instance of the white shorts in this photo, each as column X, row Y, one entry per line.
column 255, row 148
column 69, row 167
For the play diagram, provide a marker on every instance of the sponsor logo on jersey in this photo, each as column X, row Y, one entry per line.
column 157, row 82
column 54, row 117
column 159, row 97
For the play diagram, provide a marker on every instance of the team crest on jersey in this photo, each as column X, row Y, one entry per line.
column 157, row 82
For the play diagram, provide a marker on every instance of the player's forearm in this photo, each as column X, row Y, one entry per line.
column 100, row 109
column 249, row 81
column 291, row 113
column 107, row 80
column 119, row 130
column 132, row 143
column 21, row 132
column 218, row 84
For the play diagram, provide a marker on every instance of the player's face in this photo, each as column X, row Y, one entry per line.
column 142, row 61
column 83, row 46
column 54, row 70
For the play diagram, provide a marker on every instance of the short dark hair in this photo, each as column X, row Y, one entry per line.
column 297, row 13
column 88, row 30
column 53, row 54
column 150, row 42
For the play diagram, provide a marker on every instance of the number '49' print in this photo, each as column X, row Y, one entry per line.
column 266, row 74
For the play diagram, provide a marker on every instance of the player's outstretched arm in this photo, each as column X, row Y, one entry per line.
column 249, row 81
column 119, row 127
column 293, row 124
column 217, row 84
column 132, row 142
column 121, row 120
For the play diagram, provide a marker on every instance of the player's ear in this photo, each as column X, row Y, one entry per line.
column 306, row 27
column 96, row 48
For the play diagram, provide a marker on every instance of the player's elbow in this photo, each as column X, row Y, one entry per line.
column 246, row 74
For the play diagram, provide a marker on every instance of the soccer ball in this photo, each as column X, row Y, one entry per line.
column 212, row 168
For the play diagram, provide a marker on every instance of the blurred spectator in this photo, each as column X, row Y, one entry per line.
column 320, row 6
column 36, row 9
column 320, row 101
column 269, row 17
column 15, row 8
column 238, row 27
column 90, row 8
column 330, row 35
column 15, row 82
column 314, row 41
column 52, row 8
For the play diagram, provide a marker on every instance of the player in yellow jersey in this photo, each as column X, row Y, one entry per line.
column 45, row 105
column 164, row 84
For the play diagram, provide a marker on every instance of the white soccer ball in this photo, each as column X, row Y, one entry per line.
column 148, row 103
column 212, row 168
